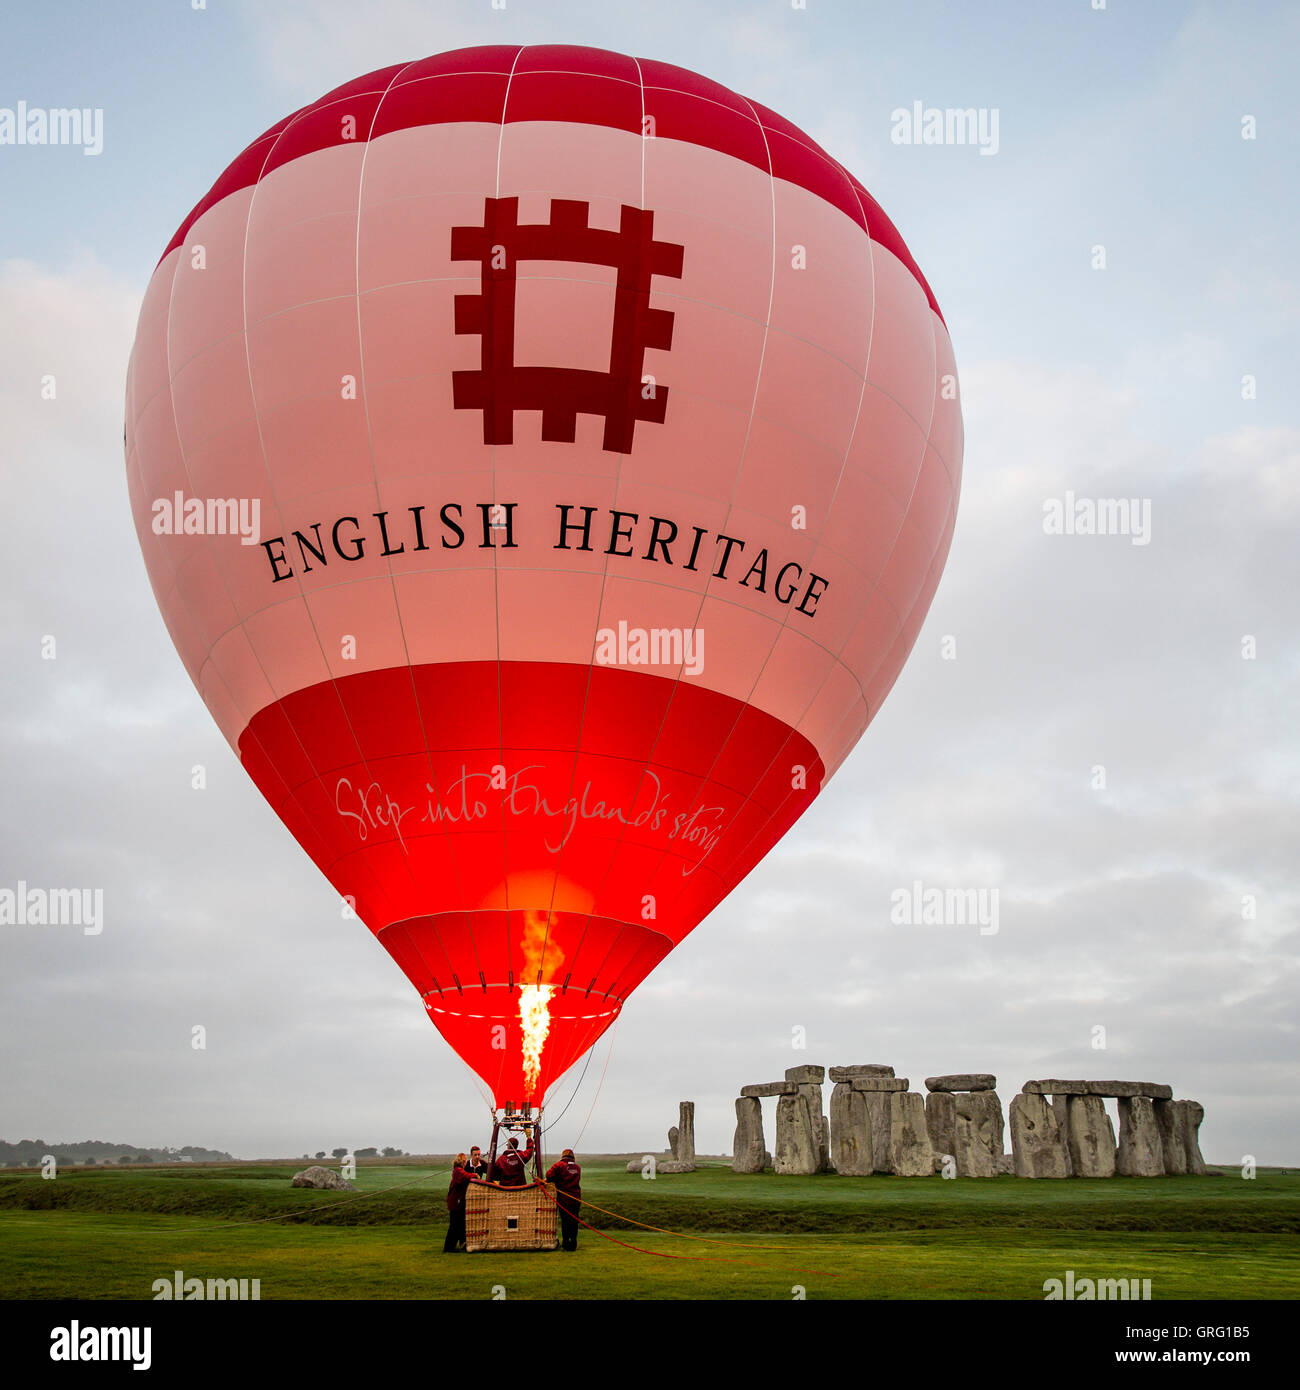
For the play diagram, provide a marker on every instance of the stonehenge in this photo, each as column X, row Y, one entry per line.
column 851, row 1148
column 910, row 1153
column 879, row 1125
column 809, row 1081
column 1140, row 1153
column 1036, row 1138
column 1089, row 1137
column 681, row 1144
column 748, row 1150
column 797, row 1149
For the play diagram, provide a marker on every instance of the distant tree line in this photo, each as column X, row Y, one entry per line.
column 28, row 1153
column 359, row 1153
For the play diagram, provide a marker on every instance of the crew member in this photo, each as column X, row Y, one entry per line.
column 567, row 1177
column 476, row 1167
column 510, row 1170
column 456, row 1206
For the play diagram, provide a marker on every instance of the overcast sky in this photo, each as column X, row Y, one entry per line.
column 1160, row 908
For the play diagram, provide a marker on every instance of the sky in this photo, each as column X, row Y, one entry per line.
column 1155, row 914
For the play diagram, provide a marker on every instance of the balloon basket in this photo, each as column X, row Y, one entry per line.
column 512, row 1218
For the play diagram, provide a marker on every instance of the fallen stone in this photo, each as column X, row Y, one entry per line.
column 1114, row 1090
column 1139, row 1153
column 880, row 1083
column 796, row 1139
column 865, row 1069
column 974, row 1135
column 672, row 1165
column 1059, row 1104
column 909, row 1141
column 748, row 1154
column 1172, row 1124
column 1006, row 1166
column 1195, row 1113
column 1089, row 1136
column 850, row 1133
column 324, row 1178
column 941, row 1121
column 770, row 1088
column 684, row 1148
column 806, row 1074
column 962, row 1081
column 1035, row 1139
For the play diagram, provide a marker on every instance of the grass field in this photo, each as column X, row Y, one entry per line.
column 111, row 1233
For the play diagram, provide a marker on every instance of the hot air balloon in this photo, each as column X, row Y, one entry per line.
column 544, row 460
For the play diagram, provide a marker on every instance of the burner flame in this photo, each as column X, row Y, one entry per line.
column 535, row 1024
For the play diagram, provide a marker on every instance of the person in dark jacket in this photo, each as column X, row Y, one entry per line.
column 476, row 1167
column 456, row 1206
column 511, row 1169
column 567, row 1177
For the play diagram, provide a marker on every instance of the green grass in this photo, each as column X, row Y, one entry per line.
column 109, row 1234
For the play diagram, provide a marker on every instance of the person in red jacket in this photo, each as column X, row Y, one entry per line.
column 567, row 1177
column 511, row 1169
column 456, row 1206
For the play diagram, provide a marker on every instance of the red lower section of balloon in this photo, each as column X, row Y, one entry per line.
column 514, row 824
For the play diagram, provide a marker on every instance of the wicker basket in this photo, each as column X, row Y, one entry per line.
column 509, row 1218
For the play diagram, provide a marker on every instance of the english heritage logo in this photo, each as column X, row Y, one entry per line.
column 622, row 395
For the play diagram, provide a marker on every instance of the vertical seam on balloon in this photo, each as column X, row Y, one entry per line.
column 591, row 663
column 496, row 564
column 704, row 593
column 302, row 593
column 582, row 935
column 397, row 608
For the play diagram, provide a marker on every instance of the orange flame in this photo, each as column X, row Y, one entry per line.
column 541, row 956
column 535, row 1022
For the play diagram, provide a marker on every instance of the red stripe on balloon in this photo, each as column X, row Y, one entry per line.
column 587, row 86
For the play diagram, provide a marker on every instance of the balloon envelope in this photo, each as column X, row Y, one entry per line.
column 544, row 460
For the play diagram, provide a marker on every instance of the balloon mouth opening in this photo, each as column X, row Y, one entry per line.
column 521, row 1039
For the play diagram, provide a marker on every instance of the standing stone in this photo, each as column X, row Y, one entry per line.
column 909, row 1141
column 974, row 1136
column 941, row 1122
column 1195, row 1113
column 879, row 1118
column 1035, row 1139
column 1139, row 1154
column 1089, row 1136
column 684, row 1149
column 1059, row 1109
column 796, row 1139
column 1172, row 1124
column 747, row 1149
column 851, row 1151
column 673, row 1136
